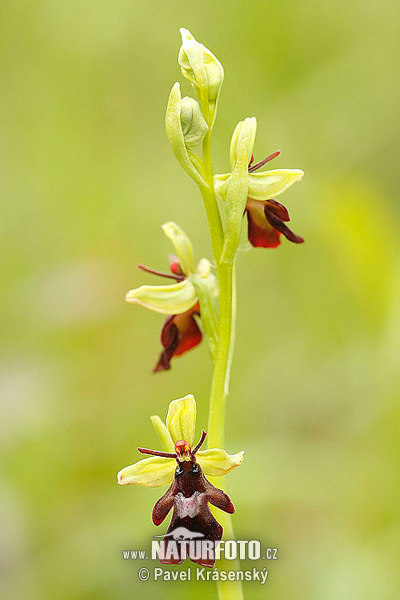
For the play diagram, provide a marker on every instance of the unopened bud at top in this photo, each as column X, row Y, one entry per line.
column 200, row 66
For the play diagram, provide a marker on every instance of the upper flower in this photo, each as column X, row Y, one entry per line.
column 180, row 300
column 266, row 216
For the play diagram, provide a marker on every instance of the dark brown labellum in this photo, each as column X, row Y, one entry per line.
column 193, row 530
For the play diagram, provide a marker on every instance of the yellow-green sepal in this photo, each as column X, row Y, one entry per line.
column 268, row 184
column 216, row 462
column 181, row 419
column 150, row 472
column 173, row 299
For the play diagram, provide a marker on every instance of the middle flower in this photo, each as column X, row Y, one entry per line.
column 181, row 300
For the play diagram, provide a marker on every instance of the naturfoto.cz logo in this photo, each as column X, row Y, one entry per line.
column 180, row 543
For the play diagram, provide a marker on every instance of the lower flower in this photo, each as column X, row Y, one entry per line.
column 185, row 467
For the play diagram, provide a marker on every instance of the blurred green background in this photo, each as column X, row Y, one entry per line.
column 87, row 178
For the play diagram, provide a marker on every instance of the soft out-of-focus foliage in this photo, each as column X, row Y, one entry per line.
column 87, row 179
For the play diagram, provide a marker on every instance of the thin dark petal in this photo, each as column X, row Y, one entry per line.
column 157, row 453
column 282, row 228
column 199, row 443
column 263, row 162
column 177, row 276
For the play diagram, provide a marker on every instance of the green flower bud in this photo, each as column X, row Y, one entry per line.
column 194, row 127
column 200, row 66
column 174, row 123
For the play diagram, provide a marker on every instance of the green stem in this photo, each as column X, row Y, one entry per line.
column 210, row 202
column 222, row 365
column 227, row 590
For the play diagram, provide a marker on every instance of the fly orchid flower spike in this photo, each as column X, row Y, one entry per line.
column 266, row 216
column 190, row 301
column 183, row 465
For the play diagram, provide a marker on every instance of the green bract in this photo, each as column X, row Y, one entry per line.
column 242, row 141
column 237, row 186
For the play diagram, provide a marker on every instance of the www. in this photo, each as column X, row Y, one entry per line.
column 133, row 554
